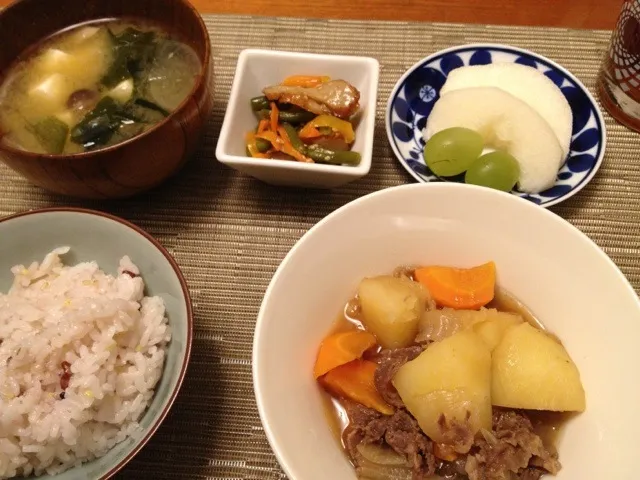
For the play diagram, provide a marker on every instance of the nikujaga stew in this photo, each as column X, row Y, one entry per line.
column 436, row 373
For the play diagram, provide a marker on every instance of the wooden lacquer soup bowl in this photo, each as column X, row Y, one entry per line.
column 141, row 162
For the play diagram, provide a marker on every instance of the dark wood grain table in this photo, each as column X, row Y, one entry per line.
column 592, row 14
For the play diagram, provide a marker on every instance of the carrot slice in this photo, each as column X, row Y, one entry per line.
column 274, row 116
column 305, row 80
column 461, row 288
column 354, row 380
column 340, row 348
column 263, row 126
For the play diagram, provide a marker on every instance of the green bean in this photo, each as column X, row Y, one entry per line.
column 322, row 155
column 262, row 145
column 294, row 138
column 289, row 117
column 259, row 103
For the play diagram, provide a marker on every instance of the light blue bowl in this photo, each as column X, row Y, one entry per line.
column 29, row 236
column 416, row 92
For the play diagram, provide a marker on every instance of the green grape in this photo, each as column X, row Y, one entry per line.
column 451, row 151
column 497, row 170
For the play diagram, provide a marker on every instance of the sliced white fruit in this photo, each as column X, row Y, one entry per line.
column 526, row 83
column 505, row 123
column 123, row 91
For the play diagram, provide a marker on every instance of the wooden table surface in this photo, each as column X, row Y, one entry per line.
column 596, row 14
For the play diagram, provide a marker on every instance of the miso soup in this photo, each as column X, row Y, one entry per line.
column 93, row 86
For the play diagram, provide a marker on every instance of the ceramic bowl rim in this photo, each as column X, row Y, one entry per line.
column 514, row 49
column 189, row 310
column 357, row 171
column 283, row 451
column 200, row 81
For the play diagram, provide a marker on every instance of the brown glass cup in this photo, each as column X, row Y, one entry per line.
column 619, row 79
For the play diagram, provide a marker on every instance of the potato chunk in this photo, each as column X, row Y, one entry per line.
column 489, row 323
column 449, row 384
column 532, row 370
column 492, row 329
column 391, row 309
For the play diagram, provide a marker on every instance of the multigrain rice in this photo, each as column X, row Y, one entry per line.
column 80, row 355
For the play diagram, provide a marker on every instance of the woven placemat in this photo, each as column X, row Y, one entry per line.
column 229, row 232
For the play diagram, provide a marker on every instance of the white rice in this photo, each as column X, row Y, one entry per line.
column 114, row 338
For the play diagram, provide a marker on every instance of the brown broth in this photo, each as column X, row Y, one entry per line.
column 336, row 415
column 548, row 425
column 506, row 302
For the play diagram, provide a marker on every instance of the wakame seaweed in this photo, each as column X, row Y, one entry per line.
column 108, row 116
column 132, row 52
column 152, row 106
column 97, row 127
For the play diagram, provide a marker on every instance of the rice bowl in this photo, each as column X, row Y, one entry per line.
column 83, row 352
column 105, row 253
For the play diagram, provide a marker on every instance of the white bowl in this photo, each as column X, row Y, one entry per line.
column 257, row 69
column 568, row 282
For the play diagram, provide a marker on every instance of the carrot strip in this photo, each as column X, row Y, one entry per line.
column 263, row 126
column 461, row 288
column 283, row 134
column 354, row 380
column 308, row 81
column 274, row 116
column 273, row 138
column 289, row 149
column 308, row 132
column 340, row 348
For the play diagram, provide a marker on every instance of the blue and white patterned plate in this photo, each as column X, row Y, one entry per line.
column 417, row 91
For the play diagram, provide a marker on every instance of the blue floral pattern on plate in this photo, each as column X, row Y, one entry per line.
column 418, row 90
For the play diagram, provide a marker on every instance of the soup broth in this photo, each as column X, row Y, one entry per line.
column 93, row 86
